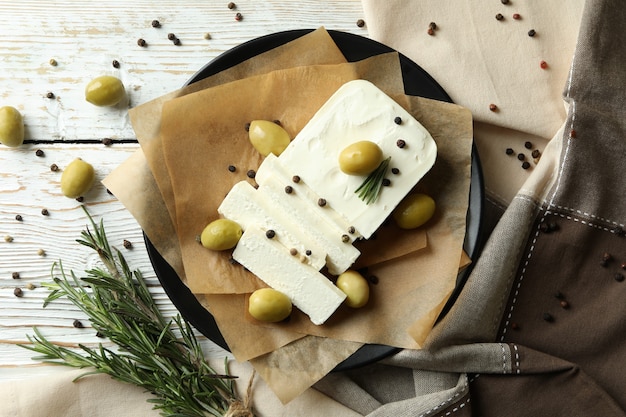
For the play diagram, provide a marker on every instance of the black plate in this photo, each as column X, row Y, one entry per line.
column 417, row 82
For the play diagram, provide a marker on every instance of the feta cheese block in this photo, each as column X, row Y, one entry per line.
column 307, row 288
column 360, row 111
column 249, row 208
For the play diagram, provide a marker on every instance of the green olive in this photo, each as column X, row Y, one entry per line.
column 269, row 305
column 414, row 211
column 221, row 234
column 11, row 127
column 355, row 287
column 77, row 178
column 268, row 137
column 360, row 158
column 105, row 90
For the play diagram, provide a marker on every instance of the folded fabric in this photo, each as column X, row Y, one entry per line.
column 538, row 328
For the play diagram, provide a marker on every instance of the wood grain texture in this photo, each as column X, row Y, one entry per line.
column 84, row 38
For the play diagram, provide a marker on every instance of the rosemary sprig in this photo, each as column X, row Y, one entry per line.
column 150, row 355
column 370, row 189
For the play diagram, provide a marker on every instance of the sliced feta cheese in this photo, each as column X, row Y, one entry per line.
column 249, row 208
column 340, row 254
column 271, row 166
column 360, row 111
column 307, row 288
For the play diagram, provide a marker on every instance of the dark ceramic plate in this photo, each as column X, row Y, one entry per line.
column 417, row 82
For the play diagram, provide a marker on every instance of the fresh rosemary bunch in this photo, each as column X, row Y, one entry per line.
column 370, row 189
column 150, row 355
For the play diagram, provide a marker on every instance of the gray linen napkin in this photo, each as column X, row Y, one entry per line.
column 539, row 328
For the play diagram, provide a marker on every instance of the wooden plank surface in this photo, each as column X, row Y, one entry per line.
column 84, row 38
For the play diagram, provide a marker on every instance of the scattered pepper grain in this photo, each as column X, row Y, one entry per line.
column 251, row 173
column 238, row 17
column 532, row 33
column 50, row 95
column 107, row 141
column 430, row 32
column 15, row 275
column 19, row 217
column 39, row 153
column 18, row 292
column 528, row 145
column 386, row 182
column 127, row 244
column 373, row 279
column 521, row 156
column 536, row 153
column 270, row 234
column 295, row 179
column 115, row 63
column 505, row 1
column 543, row 64
column 345, row 238
column 232, row 168
column 321, row 202
column 308, row 252
column 54, row 167
column 395, row 171
column 53, row 62
column 207, row 36
column 572, row 134
column 293, row 251
column 618, row 277
column 499, row 16
column 397, row 120
column 31, row 286
column 156, row 24
column 8, row 239
column 142, row 42
column 517, row 16
column 41, row 252
column 288, row 189
column 78, row 324
column 176, row 42
column 231, row 5
column 45, row 212
column 548, row 317
column 525, row 165
column 509, row 151
column 493, row 107
column 360, row 23
column 351, row 230
column 400, row 143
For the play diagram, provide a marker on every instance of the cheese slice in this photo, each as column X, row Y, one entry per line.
column 249, row 208
column 340, row 255
column 360, row 111
column 306, row 287
column 271, row 166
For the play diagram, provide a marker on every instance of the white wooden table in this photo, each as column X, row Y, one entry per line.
column 84, row 38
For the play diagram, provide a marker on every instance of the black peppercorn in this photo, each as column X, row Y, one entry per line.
column 45, row 212
column 15, row 275
column 345, row 238
column 397, row 120
column 400, row 143
column 493, row 107
column 499, row 16
column 509, row 151
column 295, row 179
column 351, row 230
column 548, row 317
column 525, row 165
column 238, row 17
column 251, row 173
column 618, row 277
column 536, row 153
column 39, row 152
column 127, row 244
column 78, row 324
column 505, row 1
column 308, row 252
column 360, row 23
column 521, row 156
column 247, row 127
column 232, row 168
column 18, row 292
column 107, row 141
column 528, row 145
column 293, row 251
column 432, row 25
column 270, row 234
column 49, row 94
column 386, row 182
column 395, row 171
column 231, row 5
column 156, row 24
column 19, row 217
column 321, row 202
column 288, row 189
column 176, row 42
column 532, row 33
column 115, row 63
column 54, row 167
column 80, row 199
column 171, row 36
column 142, row 42
column 373, row 279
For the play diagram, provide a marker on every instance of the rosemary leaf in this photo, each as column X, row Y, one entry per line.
column 369, row 190
column 150, row 354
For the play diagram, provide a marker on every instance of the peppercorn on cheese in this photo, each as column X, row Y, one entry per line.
column 360, row 111
column 307, row 288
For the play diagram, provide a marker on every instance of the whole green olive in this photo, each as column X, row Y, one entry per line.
column 11, row 127
column 221, row 234
column 268, row 137
column 360, row 158
column 105, row 90
column 414, row 211
column 355, row 287
column 77, row 178
column 268, row 304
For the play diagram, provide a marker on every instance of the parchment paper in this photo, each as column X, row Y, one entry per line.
column 429, row 273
